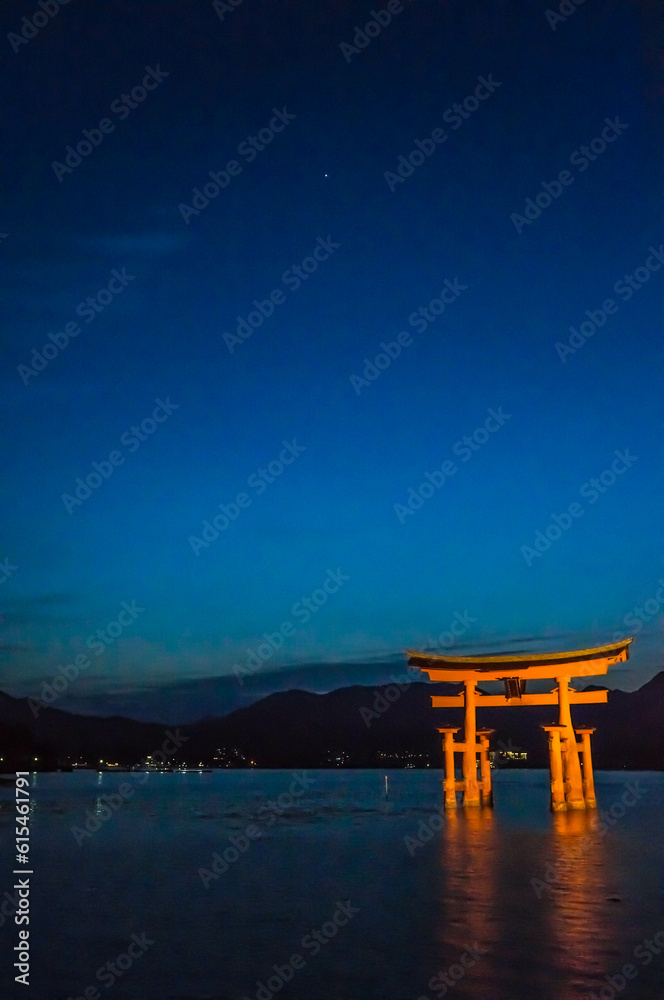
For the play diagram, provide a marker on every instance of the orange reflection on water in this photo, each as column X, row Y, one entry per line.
column 469, row 855
column 577, row 872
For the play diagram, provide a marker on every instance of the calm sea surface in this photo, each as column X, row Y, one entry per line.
column 509, row 904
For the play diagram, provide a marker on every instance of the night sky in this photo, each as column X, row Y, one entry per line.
column 225, row 353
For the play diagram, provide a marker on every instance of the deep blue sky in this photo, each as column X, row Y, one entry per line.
column 323, row 176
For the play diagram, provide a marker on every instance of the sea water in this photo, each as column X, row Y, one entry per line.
column 322, row 884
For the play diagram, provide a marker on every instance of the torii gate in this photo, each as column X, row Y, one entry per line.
column 570, row 787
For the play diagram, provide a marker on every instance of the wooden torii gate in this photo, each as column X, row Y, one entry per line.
column 571, row 787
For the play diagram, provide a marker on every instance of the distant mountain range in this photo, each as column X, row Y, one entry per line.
column 177, row 701
column 187, row 700
column 353, row 726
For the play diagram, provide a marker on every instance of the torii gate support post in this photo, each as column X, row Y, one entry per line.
column 558, row 803
column 485, row 766
column 571, row 764
column 588, row 779
column 449, row 784
column 471, row 795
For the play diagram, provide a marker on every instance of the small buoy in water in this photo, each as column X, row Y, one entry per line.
column 614, row 899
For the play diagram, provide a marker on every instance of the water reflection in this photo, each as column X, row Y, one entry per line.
column 471, row 910
column 555, row 944
column 578, row 923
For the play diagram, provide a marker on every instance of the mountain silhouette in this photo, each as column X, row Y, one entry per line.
column 355, row 726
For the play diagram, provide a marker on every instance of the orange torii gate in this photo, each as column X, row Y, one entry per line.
column 571, row 787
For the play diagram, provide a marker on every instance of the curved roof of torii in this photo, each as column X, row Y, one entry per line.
column 572, row 663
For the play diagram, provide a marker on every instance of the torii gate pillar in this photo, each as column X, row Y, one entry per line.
column 485, row 766
column 449, row 784
column 558, row 803
column 588, row 779
column 471, row 794
column 570, row 752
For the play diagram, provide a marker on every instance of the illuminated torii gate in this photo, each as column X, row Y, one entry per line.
column 571, row 788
